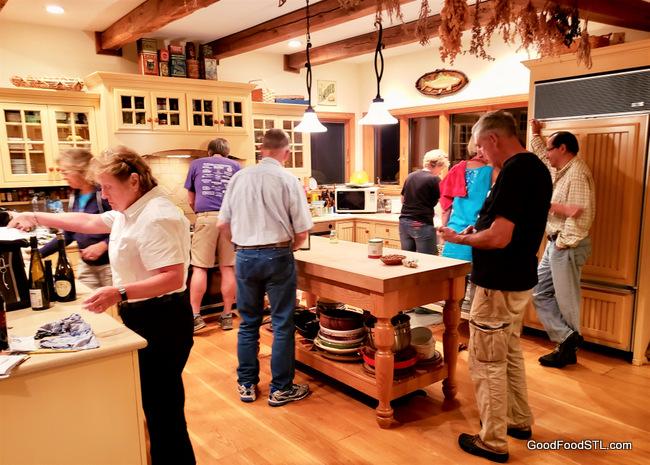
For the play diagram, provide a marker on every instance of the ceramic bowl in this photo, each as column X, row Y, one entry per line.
column 341, row 320
column 392, row 260
column 423, row 342
column 343, row 335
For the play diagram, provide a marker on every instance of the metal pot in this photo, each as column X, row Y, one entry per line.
column 402, row 328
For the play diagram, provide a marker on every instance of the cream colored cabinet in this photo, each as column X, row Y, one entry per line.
column 345, row 230
column 33, row 135
column 364, row 230
column 283, row 116
column 214, row 113
column 389, row 233
column 157, row 111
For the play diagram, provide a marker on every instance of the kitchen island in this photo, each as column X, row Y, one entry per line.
column 342, row 271
column 74, row 408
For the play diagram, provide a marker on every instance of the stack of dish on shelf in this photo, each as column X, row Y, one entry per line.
column 424, row 343
column 341, row 332
column 405, row 355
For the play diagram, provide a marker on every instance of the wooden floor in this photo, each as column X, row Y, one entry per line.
column 600, row 398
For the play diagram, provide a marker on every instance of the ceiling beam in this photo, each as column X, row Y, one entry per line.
column 403, row 34
column 394, row 36
column 146, row 17
column 324, row 14
column 631, row 14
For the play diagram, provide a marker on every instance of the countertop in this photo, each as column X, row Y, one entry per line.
column 113, row 337
column 386, row 217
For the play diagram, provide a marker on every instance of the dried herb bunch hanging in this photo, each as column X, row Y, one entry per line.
column 392, row 7
column 584, row 48
column 501, row 20
column 422, row 27
column 557, row 26
column 527, row 24
column 477, row 46
column 452, row 24
column 347, row 4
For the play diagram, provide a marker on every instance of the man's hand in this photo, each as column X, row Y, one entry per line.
column 448, row 234
column 24, row 221
column 93, row 252
column 535, row 126
column 103, row 298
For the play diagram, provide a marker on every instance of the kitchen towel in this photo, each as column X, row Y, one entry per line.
column 70, row 333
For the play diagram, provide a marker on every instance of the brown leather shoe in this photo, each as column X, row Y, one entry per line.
column 472, row 444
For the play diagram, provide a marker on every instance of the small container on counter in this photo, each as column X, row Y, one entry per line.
column 375, row 248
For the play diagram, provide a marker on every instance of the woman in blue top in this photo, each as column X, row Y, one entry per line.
column 94, row 269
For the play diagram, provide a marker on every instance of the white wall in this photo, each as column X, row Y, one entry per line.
column 39, row 51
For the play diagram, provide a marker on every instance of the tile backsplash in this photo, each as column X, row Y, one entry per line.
column 171, row 174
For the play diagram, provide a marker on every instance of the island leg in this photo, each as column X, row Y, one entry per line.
column 451, row 319
column 384, row 336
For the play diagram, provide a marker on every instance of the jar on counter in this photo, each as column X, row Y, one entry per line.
column 375, row 248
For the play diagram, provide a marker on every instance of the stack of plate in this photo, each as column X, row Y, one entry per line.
column 341, row 334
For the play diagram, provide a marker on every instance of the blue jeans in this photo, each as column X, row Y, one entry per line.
column 416, row 236
column 271, row 271
column 557, row 294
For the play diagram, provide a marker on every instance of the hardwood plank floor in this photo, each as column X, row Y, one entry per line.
column 602, row 397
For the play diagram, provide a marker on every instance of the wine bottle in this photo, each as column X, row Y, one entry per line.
column 39, row 294
column 49, row 277
column 64, row 276
column 4, row 337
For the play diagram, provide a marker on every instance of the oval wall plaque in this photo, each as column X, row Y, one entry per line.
column 441, row 82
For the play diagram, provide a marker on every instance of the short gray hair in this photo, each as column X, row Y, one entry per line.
column 275, row 139
column 496, row 121
column 220, row 146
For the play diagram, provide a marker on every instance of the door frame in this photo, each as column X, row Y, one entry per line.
column 349, row 125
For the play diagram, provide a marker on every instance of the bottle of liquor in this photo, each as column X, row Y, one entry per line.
column 49, row 277
column 63, row 276
column 39, row 294
column 4, row 337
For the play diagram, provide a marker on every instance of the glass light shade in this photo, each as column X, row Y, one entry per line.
column 377, row 114
column 310, row 122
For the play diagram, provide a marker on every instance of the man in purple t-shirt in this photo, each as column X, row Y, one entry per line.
column 206, row 185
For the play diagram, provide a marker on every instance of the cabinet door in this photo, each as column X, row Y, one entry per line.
column 74, row 128
column 614, row 150
column 261, row 124
column 232, row 115
column 387, row 231
column 202, row 112
column 132, row 110
column 24, row 147
column 345, row 230
column 364, row 230
column 168, row 110
column 300, row 161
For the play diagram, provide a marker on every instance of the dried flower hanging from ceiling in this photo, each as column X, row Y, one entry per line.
column 422, row 26
column 452, row 24
column 584, row 48
column 527, row 24
column 501, row 20
column 392, row 7
column 477, row 46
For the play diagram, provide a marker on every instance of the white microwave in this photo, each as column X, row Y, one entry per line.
column 356, row 199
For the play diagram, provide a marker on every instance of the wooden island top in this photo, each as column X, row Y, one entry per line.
column 342, row 271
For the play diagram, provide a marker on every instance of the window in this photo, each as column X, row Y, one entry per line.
column 423, row 136
column 328, row 154
column 387, row 153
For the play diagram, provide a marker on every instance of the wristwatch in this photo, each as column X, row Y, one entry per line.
column 122, row 292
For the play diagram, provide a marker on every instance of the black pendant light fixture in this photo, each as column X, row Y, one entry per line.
column 378, row 113
column 309, row 121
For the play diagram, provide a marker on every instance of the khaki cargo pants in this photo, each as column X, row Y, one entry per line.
column 496, row 363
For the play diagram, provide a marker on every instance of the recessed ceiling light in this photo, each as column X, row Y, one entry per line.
column 295, row 43
column 55, row 9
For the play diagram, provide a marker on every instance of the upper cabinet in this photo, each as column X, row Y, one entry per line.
column 35, row 126
column 183, row 113
column 284, row 116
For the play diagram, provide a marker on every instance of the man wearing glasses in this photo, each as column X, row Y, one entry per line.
column 573, row 207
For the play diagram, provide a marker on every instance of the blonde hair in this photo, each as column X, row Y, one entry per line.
column 435, row 157
column 77, row 160
column 471, row 147
column 121, row 162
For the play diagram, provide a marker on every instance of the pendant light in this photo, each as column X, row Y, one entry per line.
column 378, row 112
column 309, row 121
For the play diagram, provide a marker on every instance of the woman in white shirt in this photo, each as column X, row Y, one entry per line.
column 149, row 250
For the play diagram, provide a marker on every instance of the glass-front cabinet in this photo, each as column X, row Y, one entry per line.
column 212, row 113
column 232, row 115
column 32, row 136
column 132, row 110
column 299, row 162
column 168, row 111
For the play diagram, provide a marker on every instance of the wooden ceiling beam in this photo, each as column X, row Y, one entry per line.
column 403, row 34
column 324, row 14
column 146, row 17
column 631, row 14
column 394, row 36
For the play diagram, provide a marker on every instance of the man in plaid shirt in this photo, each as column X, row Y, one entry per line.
column 573, row 207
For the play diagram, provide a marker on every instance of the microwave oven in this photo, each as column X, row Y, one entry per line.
column 356, row 199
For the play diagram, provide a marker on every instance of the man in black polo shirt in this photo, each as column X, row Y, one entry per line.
column 504, row 246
